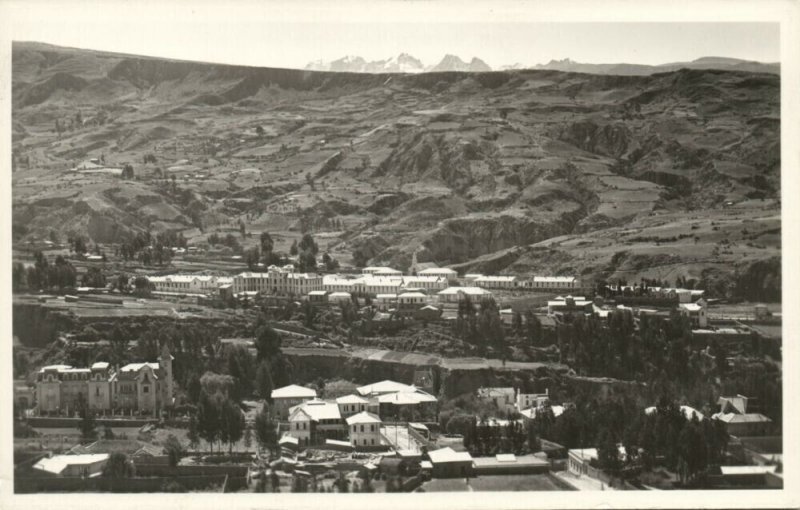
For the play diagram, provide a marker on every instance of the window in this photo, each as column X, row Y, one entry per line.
column 373, row 442
column 362, row 428
column 97, row 391
column 145, row 389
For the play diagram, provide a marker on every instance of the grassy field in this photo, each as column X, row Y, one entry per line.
column 493, row 483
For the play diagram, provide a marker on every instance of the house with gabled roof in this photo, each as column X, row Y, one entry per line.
column 289, row 396
column 364, row 429
column 316, row 420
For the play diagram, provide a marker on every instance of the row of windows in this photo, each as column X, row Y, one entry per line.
column 371, row 428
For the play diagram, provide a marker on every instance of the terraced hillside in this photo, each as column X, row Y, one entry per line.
column 673, row 174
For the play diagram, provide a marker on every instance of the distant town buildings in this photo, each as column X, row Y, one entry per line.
column 356, row 417
column 570, row 305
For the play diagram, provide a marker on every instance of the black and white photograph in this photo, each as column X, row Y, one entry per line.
column 265, row 253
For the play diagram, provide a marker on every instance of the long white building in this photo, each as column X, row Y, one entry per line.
column 496, row 282
column 553, row 283
column 188, row 283
column 277, row 282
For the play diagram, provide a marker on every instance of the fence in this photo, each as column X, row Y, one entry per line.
column 152, row 484
column 62, row 422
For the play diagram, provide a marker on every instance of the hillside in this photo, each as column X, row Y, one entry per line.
column 524, row 170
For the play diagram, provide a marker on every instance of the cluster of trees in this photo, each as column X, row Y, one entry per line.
column 615, row 347
column 94, row 277
column 43, row 275
column 219, row 417
column 306, row 251
column 530, row 329
column 263, row 253
column 229, row 240
column 666, row 437
column 482, row 328
column 484, row 437
column 360, row 258
column 151, row 249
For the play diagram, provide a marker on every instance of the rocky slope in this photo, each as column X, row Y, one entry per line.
column 523, row 170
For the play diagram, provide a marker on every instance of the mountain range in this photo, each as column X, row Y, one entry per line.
column 405, row 63
column 402, row 63
column 532, row 171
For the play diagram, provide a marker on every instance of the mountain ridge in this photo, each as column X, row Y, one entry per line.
column 491, row 170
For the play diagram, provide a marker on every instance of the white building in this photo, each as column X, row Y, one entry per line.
column 188, row 283
column 496, row 282
column 696, row 312
column 354, row 404
column 569, row 305
column 443, row 272
column 337, row 283
column 425, row 282
column 365, row 429
column 526, row 400
column 85, row 465
column 339, row 297
column 381, row 271
column 277, row 281
column 458, row 294
column 558, row 283
column 287, row 397
column 385, row 301
column 314, row 421
column 411, row 300
column 502, row 398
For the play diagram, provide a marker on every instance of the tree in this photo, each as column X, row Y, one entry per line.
column 268, row 342
column 232, row 423
column 87, row 424
column 264, row 380
column 360, row 259
column 193, row 435
column 118, row 466
column 208, row 418
column 308, row 244
column 266, row 244
column 259, row 131
column 306, row 262
column 127, row 171
column 266, row 429
column 293, row 248
column 248, row 437
column 94, row 278
column 173, row 449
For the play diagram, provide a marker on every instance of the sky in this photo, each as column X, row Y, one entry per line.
column 278, row 34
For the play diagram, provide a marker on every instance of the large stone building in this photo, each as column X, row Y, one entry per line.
column 142, row 388
column 277, row 281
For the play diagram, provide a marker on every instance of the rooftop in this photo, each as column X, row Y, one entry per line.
column 553, row 279
column 58, row 463
column 318, row 410
column 385, row 386
column 351, row 399
column 470, row 291
column 363, row 417
column 447, row 455
column 293, row 391
column 436, row 271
